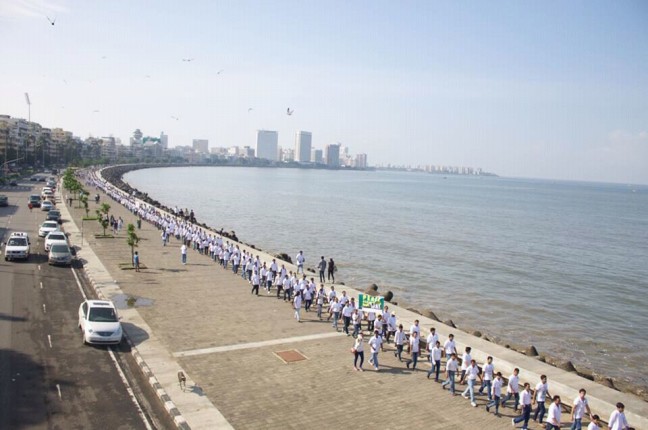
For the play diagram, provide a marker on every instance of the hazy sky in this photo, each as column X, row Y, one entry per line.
column 549, row 89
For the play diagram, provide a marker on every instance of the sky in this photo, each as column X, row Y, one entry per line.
column 541, row 89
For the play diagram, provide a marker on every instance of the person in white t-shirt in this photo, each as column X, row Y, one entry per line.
column 415, row 348
column 465, row 362
column 435, row 359
column 297, row 301
column 553, row 417
column 618, row 419
column 512, row 389
column 540, row 396
column 488, row 374
column 451, row 369
column 595, row 424
column 578, row 410
column 526, row 399
column 470, row 374
column 358, row 352
column 300, row 261
column 449, row 347
column 496, row 393
column 431, row 340
column 375, row 343
column 399, row 341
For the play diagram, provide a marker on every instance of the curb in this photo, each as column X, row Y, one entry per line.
column 168, row 404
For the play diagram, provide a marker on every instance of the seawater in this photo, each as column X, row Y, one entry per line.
column 560, row 265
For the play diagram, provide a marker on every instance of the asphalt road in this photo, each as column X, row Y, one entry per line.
column 48, row 379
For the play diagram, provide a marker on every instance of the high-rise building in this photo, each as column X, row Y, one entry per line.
column 267, row 145
column 316, row 156
column 303, row 141
column 332, row 155
column 201, row 145
column 361, row 161
column 164, row 140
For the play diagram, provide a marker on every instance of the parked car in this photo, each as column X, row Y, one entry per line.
column 4, row 200
column 55, row 237
column 60, row 254
column 47, row 227
column 33, row 179
column 17, row 246
column 46, row 205
column 99, row 322
column 13, row 183
column 54, row 215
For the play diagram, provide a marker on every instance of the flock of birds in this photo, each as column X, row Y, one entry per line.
column 289, row 111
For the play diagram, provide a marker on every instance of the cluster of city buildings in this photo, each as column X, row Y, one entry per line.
column 30, row 143
column 440, row 169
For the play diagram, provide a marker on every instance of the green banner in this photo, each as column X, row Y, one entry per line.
column 365, row 301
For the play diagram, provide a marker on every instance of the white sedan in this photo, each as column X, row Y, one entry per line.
column 55, row 237
column 99, row 322
column 46, row 205
column 48, row 227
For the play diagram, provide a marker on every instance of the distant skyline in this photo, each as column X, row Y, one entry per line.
column 532, row 89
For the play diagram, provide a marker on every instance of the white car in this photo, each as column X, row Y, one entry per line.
column 48, row 227
column 46, row 205
column 55, row 237
column 47, row 194
column 99, row 322
column 17, row 247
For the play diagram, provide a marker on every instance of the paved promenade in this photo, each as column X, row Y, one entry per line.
column 203, row 320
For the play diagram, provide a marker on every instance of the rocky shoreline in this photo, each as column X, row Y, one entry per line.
column 114, row 175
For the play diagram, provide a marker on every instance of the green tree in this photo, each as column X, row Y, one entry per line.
column 84, row 201
column 102, row 216
column 132, row 239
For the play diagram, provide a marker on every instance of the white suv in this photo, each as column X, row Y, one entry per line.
column 99, row 322
column 17, row 246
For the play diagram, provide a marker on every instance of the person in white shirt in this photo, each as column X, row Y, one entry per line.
column 297, row 305
column 391, row 326
column 183, row 253
column 595, row 424
column 496, row 393
column 415, row 348
column 526, row 398
column 487, row 380
column 618, row 419
column 255, row 283
column 578, row 410
column 449, row 347
column 370, row 317
column 553, row 417
column 451, row 370
column 465, row 362
column 356, row 321
column 399, row 341
column 431, row 340
column 471, row 373
column 540, row 396
column 375, row 343
column 347, row 312
column 358, row 352
column 335, row 310
column 300, row 261
column 321, row 296
column 435, row 359
column 512, row 389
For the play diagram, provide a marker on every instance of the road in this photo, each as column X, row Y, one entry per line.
column 48, row 379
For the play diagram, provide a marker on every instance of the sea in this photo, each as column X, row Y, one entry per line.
column 559, row 265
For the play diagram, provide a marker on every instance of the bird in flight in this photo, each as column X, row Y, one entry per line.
column 220, row 71
column 50, row 21
column 147, row 76
column 95, row 111
column 289, row 112
column 186, row 60
column 250, row 109
column 175, row 117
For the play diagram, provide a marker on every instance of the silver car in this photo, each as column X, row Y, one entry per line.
column 60, row 254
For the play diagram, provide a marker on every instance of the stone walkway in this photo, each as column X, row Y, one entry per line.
column 226, row 340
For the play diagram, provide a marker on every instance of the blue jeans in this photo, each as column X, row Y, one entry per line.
column 540, row 412
column 356, row 329
column 576, row 425
column 358, row 354
column 450, row 381
column 413, row 360
column 436, row 366
column 470, row 390
column 184, row 258
column 526, row 414
column 374, row 359
column 508, row 397
column 494, row 402
column 336, row 316
column 486, row 384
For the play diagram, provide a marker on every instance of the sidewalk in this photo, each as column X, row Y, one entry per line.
column 204, row 321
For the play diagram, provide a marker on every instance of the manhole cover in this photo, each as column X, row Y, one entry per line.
column 290, row 356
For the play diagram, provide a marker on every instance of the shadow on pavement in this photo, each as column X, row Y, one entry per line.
column 135, row 334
